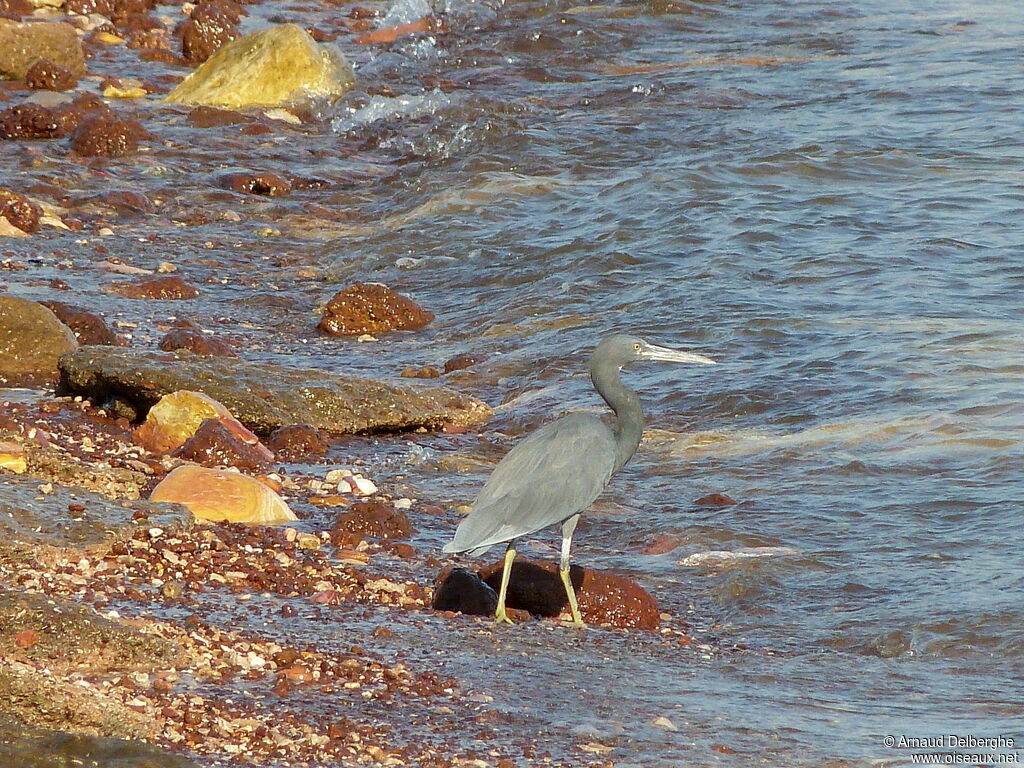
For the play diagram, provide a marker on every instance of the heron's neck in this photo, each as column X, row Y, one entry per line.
column 629, row 423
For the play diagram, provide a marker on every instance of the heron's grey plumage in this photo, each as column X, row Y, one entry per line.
column 540, row 482
column 556, row 473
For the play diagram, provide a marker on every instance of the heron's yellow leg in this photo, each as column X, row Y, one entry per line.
column 577, row 620
column 567, row 529
column 499, row 615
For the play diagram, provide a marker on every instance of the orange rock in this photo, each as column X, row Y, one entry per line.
column 12, row 457
column 176, row 418
column 390, row 34
column 216, row 494
column 26, row 638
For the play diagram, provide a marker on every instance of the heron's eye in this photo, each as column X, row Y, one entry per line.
column 636, row 347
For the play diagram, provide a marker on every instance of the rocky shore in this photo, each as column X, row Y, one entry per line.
column 177, row 506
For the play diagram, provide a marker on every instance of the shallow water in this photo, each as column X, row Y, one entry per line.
column 824, row 197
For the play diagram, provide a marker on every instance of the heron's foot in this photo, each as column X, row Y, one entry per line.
column 500, row 617
column 575, row 621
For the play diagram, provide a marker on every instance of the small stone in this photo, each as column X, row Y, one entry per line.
column 297, row 442
column 171, row 590
column 106, row 135
column 26, row 638
column 308, row 541
column 170, row 287
column 89, row 328
column 216, row 444
column 459, row 362
column 263, row 184
column 196, row 342
column 12, row 457
column 370, row 518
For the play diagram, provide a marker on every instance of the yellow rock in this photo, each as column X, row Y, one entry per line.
column 175, row 418
column 12, row 458
column 277, row 66
column 216, row 494
column 108, row 39
column 113, row 92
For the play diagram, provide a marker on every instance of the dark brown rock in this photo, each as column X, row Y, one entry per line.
column 457, row 589
column 212, row 24
column 459, row 362
column 297, row 442
column 19, row 210
column 214, row 445
column 715, row 500
column 370, row 519
column 604, row 597
column 88, row 327
column 169, row 287
column 372, row 308
column 99, row 134
column 197, row 342
column 423, row 372
column 44, row 75
column 266, row 184
column 30, row 121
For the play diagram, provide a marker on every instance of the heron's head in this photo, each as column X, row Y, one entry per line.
column 621, row 349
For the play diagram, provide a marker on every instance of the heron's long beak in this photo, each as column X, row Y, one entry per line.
column 654, row 352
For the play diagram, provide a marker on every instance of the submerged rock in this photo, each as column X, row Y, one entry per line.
column 105, row 134
column 166, row 287
column 196, row 342
column 31, row 529
column 278, row 66
column 44, row 748
column 265, row 397
column 217, row 494
column 22, row 45
column 372, row 308
column 604, row 597
column 457, row 589
column 31, row 340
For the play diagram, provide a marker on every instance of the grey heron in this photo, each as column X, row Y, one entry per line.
column 556, row 473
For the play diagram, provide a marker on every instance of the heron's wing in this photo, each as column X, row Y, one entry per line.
column 547, row 478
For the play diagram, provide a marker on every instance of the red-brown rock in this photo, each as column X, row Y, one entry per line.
column 196, row 342
column 266, row 184
column 370, row 519
column 372, row 308
column 214, row 445
column 44, row 75
column 297, row 442
column 169, row 287
column 604, row 597
column 212, row 24
column 662, row 543
column 210, row 117
column 85, row 7
column 423, row 372
column 30, row 121
column 88, row 328
column 103, row 135
column 19, row 210
column 457, row 589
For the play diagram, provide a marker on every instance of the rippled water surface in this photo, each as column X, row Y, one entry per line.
column 826, row 197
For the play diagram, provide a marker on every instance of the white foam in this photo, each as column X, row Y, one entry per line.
column 407, row 107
